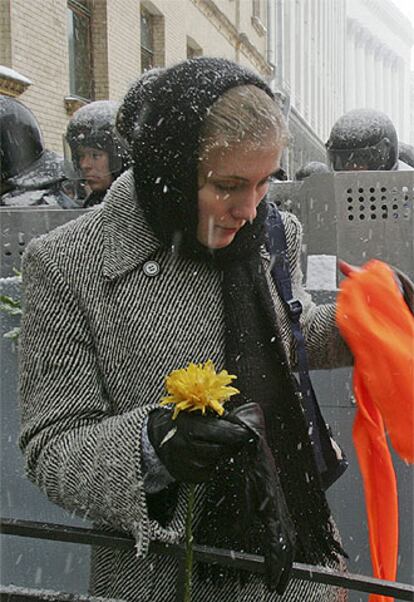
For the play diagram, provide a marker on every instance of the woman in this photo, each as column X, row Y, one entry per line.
column 171, row 270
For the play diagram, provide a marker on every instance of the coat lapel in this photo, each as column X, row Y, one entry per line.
column 128, row 239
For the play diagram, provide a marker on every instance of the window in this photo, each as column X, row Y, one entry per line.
column 80, row 54
column 258, row 16
column 152, row 36
column 193, row 49
column 256, row 9
column 147, row 40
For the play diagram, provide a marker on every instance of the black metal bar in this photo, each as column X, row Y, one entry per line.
column 249, row 562
column 13, row 593
column 180, row 581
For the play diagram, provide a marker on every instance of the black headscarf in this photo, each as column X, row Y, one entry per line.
column 166, row 157
column 166, row 141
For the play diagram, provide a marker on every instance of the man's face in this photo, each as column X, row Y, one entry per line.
column 94, row 165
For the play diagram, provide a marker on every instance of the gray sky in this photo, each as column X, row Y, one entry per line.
column 407, row 7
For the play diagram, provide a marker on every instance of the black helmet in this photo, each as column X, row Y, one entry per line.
column 363, row 139
column 21, row 141
column 94, row 125
column 25, row 163
column 313, row 167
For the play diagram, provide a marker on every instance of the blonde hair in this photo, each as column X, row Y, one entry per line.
column 243, row 114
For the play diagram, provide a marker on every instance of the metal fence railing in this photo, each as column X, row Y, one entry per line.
column 248, row 562
column 13, row 593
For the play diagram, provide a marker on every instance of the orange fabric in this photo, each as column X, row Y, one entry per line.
column 379, row 329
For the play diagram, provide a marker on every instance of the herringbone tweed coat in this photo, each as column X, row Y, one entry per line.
column 98, row 336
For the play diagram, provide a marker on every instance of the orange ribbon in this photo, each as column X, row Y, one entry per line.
column 377, row 325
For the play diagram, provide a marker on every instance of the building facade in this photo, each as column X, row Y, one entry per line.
column 322, row 57
column 331, row 56
column 74, row 51
column 306, row 45
column 378, row 60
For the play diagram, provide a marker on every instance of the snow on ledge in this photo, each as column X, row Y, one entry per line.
column 8, row 73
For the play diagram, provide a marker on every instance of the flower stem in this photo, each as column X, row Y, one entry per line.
column 189, row 544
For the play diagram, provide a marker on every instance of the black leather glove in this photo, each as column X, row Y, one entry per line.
column 264, row 498
column 191, row 445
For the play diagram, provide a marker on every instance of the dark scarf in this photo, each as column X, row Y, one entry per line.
column 165, row 151
column 255, row 354
column 94, row 198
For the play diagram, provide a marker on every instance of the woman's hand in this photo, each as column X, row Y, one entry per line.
column 264, row 498
column 403, row 282
column 191, row 446
column 347, row 268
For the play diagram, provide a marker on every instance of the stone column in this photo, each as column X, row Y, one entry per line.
column 360, row 68
column 350, row 64
column 314, row 69
column 299, row 64
column 370, row 73
column 319, row 74
column 329, row 57
column 280, row 43
column 388, row 82
column 309, row 58
column 405, row 103
column 395, row 93
column 400, row 98
column 379, row 78
column 323, row 70
column 292, row 50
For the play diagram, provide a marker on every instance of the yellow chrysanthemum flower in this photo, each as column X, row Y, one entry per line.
column 198, row 387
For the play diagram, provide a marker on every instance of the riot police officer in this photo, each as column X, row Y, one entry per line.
column 364, row 140
column 30, row 174
column 98, row 155
column 311, row 168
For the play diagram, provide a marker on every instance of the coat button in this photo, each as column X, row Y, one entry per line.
column 151, row 268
